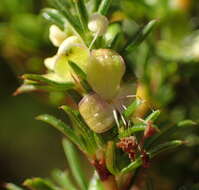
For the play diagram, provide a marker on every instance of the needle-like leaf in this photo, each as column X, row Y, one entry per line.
column 75, row 164
column 111, row 158
column 43, row 80
column 132, row 108
column 82, row 13
column 39, row 184
column 54, row 16
column 61, row 126
column 141, row 35
column 104, row 7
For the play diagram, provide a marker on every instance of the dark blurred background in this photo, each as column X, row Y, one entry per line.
column 27, row 147
column 30, row 148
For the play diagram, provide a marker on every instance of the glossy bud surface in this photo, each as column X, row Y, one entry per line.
column 105, row 71
column 97, row 113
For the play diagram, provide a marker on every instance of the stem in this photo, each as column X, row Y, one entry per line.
column 110, row 183
column 107, row 179
column 135, row 176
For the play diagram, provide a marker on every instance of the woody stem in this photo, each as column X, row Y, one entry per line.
column 110, row 183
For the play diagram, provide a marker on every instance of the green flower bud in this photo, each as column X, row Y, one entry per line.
column 97, row 113
column 105, row 71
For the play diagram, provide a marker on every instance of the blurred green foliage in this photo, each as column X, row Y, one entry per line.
column 166, row 64
column 23, row 45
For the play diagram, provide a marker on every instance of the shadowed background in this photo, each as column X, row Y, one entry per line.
column 30, row 148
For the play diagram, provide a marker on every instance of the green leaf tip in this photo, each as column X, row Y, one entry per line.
column 104, row 7
column 61, row 126
column 165, row 146
column 82, row 13
column 42, row 79
column 141, row 35
column 186, row 123
column 38, row 184
column 54, row 16
column 132, row 108
column 153, row 116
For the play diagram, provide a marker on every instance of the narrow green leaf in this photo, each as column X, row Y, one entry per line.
column 60, row 4
column 104, row 7
column 186, row 123
column 153, row 116
column 39, row 184
column 164, row 147
column 118, row 42
column 11, row 186
column 78, row 124
column 75, row 164
column 141, row 35
column 76, row 96
column 132, row 166
column 63, row 180
column 81, row 75
column 43, row 80
column 111, row 158
column 167, row 132
column 61, row 126
column 99, row 140
column 132, row 108
column 134, row 129
column 77, row 70
column 54, row 16
column 82, row 128
column 82, row 13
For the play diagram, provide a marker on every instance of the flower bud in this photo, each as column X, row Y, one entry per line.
column 56, row 35
column 98, row 24
column 150, row 130
column 105, row 71
column 97, row 113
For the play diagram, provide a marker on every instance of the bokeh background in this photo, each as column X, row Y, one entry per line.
column 30, row 148
column 27, row 147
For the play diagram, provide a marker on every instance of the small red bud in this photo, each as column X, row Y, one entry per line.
column 145, row 159
column 150, row 130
